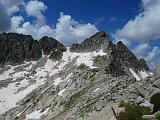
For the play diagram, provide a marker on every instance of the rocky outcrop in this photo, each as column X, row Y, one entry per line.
column 85, row 84
column 125, row 56
column 17, row 48
column 143, row 65
column 155, row 100
column 52, row 47
column 98, row 41
column 157, row 71
column 118, row 59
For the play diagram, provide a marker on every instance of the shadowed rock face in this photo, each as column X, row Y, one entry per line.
column 17, row 48
column 52, row 47
column 120, row 57
column 157, row 68
column 125, row 56
column 48, row 45
column 155, row 100
column 67, row 90
column 98, row 41
column 143, row 64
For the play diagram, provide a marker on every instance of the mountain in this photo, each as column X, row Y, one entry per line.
column 44, row 80
column 17, row 48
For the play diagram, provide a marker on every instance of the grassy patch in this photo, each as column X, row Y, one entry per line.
column 73, row 99
column 158, row 116
column 133, row 112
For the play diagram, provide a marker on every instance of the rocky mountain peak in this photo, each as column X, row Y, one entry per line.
column 125, row 56
column 49, row 44
column 52, row 47
column 100, row 34
column 143, row 65
column 98, row 41
column 17, row 48
column 67, row 84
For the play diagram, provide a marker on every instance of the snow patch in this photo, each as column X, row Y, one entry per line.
column 144, row 74
column 6, row 74
column 96, row 89
column 36, row 114
column 61, row 92
column 57, row 81
column 67, row 78
column 87, row 58
column 146, row 104
column 82, row 58
column 19, row 74
column 135, row 75
column 8, row 98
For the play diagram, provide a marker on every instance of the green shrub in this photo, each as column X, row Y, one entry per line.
column 133, row 112
column 158, row 116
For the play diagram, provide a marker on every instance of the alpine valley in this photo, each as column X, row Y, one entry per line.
column 44, row 80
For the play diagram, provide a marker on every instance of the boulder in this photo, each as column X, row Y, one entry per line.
column 155, row 100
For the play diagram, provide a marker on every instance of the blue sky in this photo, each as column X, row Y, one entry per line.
column 110, row 14
column 135, row 22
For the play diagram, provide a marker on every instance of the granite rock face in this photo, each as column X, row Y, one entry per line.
column 155, row 100
column 83, row 83
column 98, row 41
column 143, row 64
column 17, row 48
column 52, row 47
column 157, row 71
column 118, row 59
column 125, row 56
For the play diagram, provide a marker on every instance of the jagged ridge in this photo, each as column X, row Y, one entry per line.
column 88, row 76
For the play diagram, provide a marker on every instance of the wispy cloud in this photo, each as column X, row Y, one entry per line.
column 112, row 19
column 99, row 20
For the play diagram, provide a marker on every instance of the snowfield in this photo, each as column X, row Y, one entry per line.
column 17, row 90
column 141, row 74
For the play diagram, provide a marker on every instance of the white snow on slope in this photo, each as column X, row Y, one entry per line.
column 96, row 89
column 10, row 95
column 19, row 74
column 36, row 114
column 6, row 75
column 144, row 74
column 87, row 58
column 57, row 81
column 61, row 92
column 135, row 75
column 8, row 98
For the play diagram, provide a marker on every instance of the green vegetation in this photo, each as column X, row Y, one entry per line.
column 158, row 116
column 73, row 99
column 133, row 112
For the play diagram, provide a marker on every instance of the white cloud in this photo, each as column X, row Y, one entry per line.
column 67, row 30
column 5, row 21
column 145, row 26
column 16, row 21
column 152, row 55
column 145, row 51
column 11, row 5
column 36, row 8
column 70, row 31
column 112, row 19
column 142, row 50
